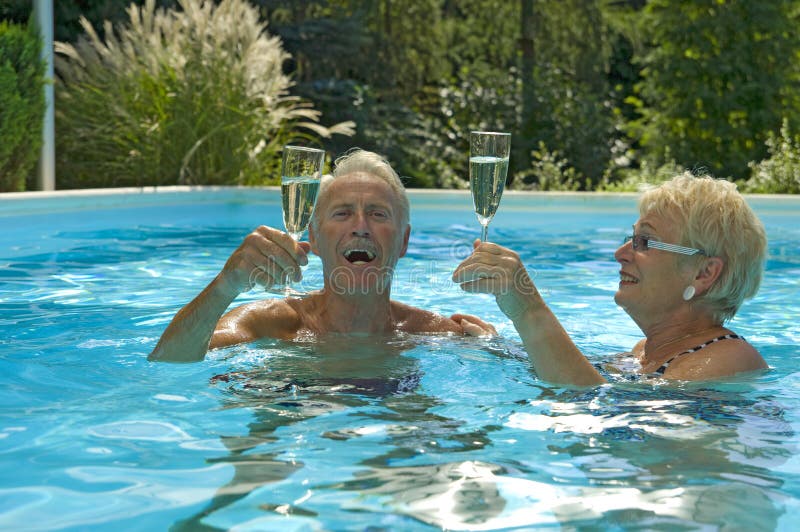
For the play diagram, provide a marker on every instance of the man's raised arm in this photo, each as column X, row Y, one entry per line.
column 262, row 259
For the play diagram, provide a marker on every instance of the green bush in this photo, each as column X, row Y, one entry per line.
column 780, row 173
column 717, row 77
column 635, row 179
column 549, row 171
column 439, row 153
column 195, row 96
column 21, row 104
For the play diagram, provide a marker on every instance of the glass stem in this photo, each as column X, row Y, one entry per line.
column 484, row 232
column 288, row 278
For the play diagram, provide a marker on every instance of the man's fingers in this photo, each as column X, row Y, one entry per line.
column 280, row 245
column 306, row 247
column 265, row 273
column 478, row 329
column 267, row 244
column 474, row 319
column 472, row 329
column 473, row 325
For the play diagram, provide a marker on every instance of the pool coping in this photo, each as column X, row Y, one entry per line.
column 35, row 202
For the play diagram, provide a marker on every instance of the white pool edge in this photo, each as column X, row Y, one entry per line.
column 35, row 203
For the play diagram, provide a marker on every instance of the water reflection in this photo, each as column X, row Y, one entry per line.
column 665, row 455
column 370, row 379
column 455, row 495
column 644, row 454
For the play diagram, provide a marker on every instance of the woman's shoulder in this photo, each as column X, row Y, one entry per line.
column 721, row 356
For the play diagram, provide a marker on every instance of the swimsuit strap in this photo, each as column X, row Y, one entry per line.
column 666, row 364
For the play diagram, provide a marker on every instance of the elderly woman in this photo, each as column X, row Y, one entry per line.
column 697, row 251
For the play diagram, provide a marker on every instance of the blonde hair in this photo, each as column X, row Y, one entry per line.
column 367, row 162
column 713, row 216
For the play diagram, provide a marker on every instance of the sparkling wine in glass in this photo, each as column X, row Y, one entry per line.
column 488, row 166
column 301, row 171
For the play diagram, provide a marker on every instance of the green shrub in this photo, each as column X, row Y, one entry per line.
column 196, row 96
column 780, row 173
column 635, row 179
column 21, row 104
column 549, row 171
column 439, row 152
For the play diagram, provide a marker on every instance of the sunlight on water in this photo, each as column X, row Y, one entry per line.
column 139, row 430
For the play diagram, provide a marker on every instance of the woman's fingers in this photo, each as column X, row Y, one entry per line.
column 482, row 286
column 477, row 268
column 469, row 273
column 493, row 269
column 490, row 249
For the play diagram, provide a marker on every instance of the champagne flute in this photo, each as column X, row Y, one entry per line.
column 488, row 166
column 301, row 171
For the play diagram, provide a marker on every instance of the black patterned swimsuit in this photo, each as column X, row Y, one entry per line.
column 666, row 364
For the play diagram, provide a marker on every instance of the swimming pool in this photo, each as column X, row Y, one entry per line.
column 402, row 434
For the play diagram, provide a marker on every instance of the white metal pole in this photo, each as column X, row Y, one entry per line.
column 47, row 161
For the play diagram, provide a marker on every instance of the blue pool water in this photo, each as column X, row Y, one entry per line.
column 407, row 433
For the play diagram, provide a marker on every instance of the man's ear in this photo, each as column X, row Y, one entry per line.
column 709, row 272
column 405, row 241
column 312, row 239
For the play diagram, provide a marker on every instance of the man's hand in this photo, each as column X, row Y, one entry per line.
column 493, row 269
column 473, row 325
column 266, row 257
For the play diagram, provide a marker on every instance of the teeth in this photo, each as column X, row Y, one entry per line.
column 627, row 278
column 359, row 254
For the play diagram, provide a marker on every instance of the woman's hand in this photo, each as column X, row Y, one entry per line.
column 493, row 269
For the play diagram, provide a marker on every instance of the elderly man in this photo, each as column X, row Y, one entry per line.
column 360, row 228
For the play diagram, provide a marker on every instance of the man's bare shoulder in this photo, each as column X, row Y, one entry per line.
column 268, row 318
column 416, row 320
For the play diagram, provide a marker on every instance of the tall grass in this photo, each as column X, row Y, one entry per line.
column 189, row 96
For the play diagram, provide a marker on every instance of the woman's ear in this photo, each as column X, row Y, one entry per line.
column 709, row 272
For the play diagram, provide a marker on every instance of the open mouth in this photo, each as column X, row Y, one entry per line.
column 359, row 256
column 625, row 278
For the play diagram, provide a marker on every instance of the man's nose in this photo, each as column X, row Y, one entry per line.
column 361, row 228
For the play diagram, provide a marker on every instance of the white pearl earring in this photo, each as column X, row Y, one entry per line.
column 688, row 293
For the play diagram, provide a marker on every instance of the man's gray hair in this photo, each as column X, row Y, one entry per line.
column 367, row 162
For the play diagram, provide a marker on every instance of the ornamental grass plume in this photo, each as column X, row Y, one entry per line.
column 189, row 96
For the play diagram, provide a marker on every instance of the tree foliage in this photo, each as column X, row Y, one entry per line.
column 574, row 112
column 21, row 104
column 415, row 94
column 597, row 93
column 719, row 76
